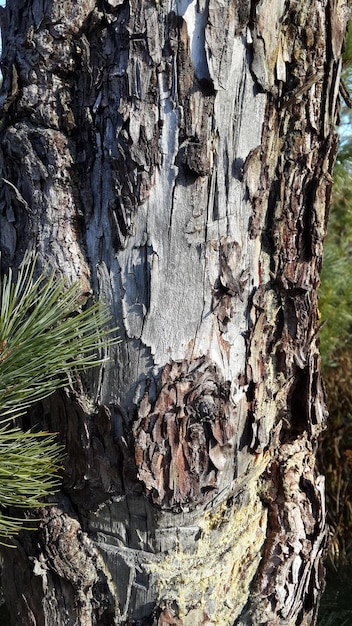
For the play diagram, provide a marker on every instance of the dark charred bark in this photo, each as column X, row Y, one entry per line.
column 176, row 157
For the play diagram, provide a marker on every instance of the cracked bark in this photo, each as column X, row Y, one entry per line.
column 175, row 158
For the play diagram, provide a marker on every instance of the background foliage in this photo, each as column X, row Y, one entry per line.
column 336, row 338
column 336, row 351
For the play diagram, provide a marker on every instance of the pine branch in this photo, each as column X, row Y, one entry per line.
column 47, row 329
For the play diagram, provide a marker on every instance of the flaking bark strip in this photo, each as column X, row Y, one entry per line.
column 185, row 437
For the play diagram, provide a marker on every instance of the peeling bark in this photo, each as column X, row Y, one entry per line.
column 185, row 440
column 176, row 158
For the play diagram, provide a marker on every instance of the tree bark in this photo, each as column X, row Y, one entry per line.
column 176, row 157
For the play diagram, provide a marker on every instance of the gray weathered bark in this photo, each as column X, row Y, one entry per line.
column 175, row 157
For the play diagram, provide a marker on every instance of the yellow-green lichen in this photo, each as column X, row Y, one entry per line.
column 211, row 584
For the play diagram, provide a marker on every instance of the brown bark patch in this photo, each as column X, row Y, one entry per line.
column 291, row 571
column 184, row 437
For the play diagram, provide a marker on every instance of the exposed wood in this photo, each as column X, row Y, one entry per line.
column 176, row 157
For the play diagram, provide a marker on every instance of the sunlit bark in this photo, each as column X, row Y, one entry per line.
column 175, row 157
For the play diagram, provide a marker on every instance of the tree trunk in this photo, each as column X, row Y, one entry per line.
column 175, row 157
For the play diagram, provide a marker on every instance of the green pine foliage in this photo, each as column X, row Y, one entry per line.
column 29, row 471
column 44, row 332
column 335, row 300
column 47, row 330
column 335, row 304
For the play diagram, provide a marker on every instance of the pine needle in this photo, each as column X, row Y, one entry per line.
column 47, row 329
